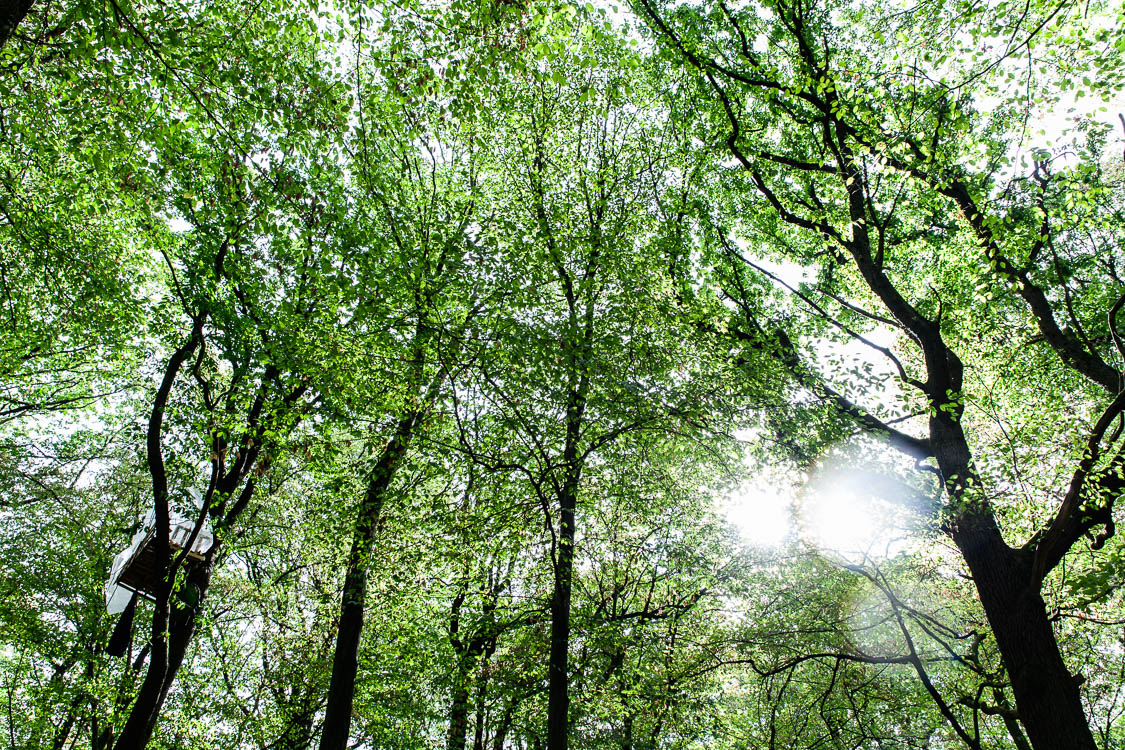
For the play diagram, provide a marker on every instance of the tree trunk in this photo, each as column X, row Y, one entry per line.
column 558, row 694
column 168, row 650
column 504, row 726
column 482, row 691
column 459, row 709
column 1047, row 695
column 345, row 660
column 300, row 708
column 11, row 17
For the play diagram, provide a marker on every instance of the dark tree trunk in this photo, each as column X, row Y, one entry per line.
column 482, row 691
column 558, row 691
column 459, row 710
column 168, row 650
column 1047, row 695
column 173, row 620
column 345, row 660
column 11, row 16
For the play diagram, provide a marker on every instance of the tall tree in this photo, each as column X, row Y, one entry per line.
column 577, row 361
column 865, row 171
column 416, row 301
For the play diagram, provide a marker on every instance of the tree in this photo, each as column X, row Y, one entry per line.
column 865, row 171
column 576, row 364
column 441, row 319
column 420, row 189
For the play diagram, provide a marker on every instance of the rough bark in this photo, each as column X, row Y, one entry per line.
column 1047, row 695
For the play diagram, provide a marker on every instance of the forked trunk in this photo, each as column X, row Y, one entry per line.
column 167, row 654
column 1047, row 695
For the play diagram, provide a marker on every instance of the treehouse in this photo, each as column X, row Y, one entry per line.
column 135, row 571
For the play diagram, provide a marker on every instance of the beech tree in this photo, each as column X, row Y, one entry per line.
column 579, row 364
column 859, row 155
column 457, row 325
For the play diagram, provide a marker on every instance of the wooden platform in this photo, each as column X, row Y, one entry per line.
column 141, row 573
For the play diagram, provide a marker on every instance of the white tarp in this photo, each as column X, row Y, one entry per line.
column 116, row 596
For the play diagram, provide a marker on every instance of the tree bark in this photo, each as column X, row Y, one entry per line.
column 11, row 17
column 1047, row 695
column 558, row 693
column 482, row 693
column 459, row 713
column 173, row 620
column 171, row 636
column 345, row 660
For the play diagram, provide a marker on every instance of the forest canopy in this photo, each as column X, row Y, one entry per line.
column 697, row 374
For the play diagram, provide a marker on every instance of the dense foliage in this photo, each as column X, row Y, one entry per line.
column 436, row 353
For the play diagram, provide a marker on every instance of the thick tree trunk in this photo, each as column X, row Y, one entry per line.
column 168, row 650
column 558, row 691
column 1047, row 695
column 11, row 16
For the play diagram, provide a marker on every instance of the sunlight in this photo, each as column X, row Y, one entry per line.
column 848, row 510
column 761, row 510
column 838, row 519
